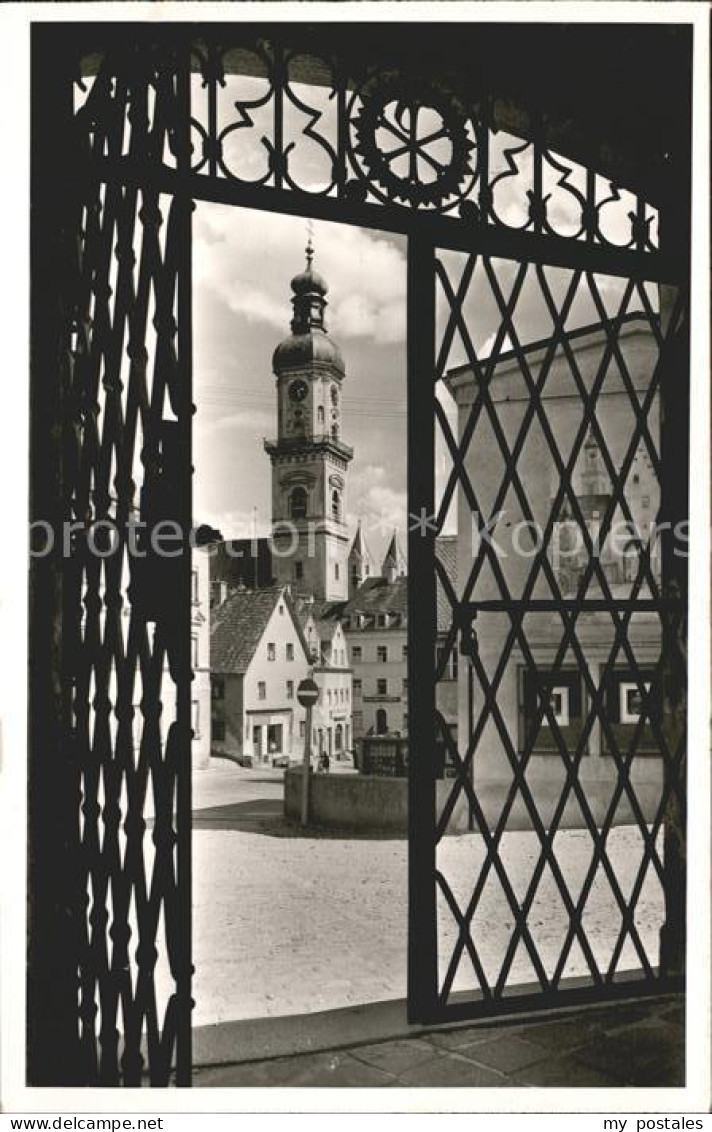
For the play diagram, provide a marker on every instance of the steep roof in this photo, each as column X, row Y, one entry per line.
column 376, row 595
column 394, row 556
column 446, row 551
column 238, row 626
column 359, row 547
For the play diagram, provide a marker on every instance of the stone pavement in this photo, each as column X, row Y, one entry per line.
column 289, row 921
column 638, row 1043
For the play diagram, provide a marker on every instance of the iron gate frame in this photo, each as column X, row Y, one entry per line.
column 53, row 790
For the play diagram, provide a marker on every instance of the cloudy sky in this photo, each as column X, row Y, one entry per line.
column 243, row 264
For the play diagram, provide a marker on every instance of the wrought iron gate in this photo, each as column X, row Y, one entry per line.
column 551, row 637
column 162, row 117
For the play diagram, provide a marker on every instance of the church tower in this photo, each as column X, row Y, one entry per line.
column 309, row 459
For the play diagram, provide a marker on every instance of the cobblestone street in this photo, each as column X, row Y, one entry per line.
column 288, row 923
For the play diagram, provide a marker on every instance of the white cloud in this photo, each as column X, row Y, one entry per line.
column 235, row 522
column 378, row 506
column 248, row 260
column 252, row 421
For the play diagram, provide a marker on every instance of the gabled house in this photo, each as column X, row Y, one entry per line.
column 258, row 656
column 332, row 716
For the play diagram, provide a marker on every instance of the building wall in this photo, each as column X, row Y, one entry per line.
column 544, row 630
column 278, row 708
column 334, row 712
column 242, row 708
column 320, row 542
column 368, row 670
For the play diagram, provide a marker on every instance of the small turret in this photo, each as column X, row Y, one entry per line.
column 360, row 565
column 394, row 563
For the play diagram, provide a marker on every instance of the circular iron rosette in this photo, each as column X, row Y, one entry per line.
column 412, row 143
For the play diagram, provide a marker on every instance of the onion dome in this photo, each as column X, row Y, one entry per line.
column 309, row 342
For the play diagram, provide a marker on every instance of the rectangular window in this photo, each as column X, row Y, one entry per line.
column 336, row 571
column 405, row 686
column 290, row 689
column 290, row 651
column 357, row 687
column 218, row 688
column 405, row 652
column 194, row 651
column 382, row 654
column 629, row 698
column 405, row 721
column 219, row 730
column 262, row 690
column 271, row 650
column 381, row 687
column 561, row 725
column 298, row 571
column 356, row 652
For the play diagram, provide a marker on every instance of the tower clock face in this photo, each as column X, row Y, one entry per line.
column 298, row 391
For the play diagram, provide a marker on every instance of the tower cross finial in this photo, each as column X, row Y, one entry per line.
column 310, row 243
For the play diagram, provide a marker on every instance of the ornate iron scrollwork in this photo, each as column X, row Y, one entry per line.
column 396, row 110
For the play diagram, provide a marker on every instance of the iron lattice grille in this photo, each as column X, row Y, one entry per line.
column 134, row 266
column 128, row 469
column 554, row 439
column 288, row 120
column 270, row 116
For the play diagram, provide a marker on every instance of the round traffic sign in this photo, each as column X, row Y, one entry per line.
column 307, row 692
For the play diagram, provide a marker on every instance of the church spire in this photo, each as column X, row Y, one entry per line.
column 309, row 300
column 394, row 564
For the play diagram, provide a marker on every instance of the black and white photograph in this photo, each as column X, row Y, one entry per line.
column 364, row 673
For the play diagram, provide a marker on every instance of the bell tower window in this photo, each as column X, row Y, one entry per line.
column 298, row 503
column 335, row 505
column 320, row 414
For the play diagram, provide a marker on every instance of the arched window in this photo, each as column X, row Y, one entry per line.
column 381, row 722
column 335, row 504
column 298, row 503
column 320, row 414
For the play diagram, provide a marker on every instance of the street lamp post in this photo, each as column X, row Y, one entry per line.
column 308, row 696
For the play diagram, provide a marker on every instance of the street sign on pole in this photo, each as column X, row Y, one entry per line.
column 307, row 696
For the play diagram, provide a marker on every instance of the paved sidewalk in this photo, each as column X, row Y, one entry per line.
column 639, row 1043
